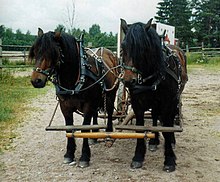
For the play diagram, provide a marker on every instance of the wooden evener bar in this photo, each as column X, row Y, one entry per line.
column 75, row 127
column 149, row 128
column 114, row 135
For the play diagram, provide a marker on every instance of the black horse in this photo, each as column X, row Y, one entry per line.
column 151, row 85
column 82, row 81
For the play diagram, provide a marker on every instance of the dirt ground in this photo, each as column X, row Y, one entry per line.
column 37, row 155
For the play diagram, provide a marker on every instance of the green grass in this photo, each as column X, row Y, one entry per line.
column 14, row 94
column 196, row 60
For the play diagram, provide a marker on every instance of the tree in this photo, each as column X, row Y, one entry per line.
column 2, row 30
column 206, row 21
column 180, row 18
column 176, row 13
column 94, row 30
column 164, row 9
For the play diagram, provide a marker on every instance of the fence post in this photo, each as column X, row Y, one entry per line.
column 24, row 56
column 0, row 56
column 203, row 55
column 187, row 48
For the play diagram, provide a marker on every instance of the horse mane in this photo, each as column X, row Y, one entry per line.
column 144, row 48
column 47, row 46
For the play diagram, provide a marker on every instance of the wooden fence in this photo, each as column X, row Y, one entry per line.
column 19, row 53
column 22, row 54
column 204, row 51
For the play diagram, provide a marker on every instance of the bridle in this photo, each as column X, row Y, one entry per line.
column 52, row 75
column 50, row 72
column 139, row 84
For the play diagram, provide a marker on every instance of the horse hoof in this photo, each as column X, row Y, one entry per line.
column 152, row 148
column 109, row 142
column 136, row 164
column 169, row 169
column 92, row 141
column 73, row 163
column 83, row 164
column 67, row 160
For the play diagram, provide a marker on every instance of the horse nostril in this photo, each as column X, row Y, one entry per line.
column 38, row 81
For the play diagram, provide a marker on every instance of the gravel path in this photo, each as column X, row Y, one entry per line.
column 38, row 155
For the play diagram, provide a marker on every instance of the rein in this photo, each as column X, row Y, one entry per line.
column 84, row 71
column 139, row 87
column 72, row 92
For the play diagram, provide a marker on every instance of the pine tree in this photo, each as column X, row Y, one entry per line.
column 207, row 22
column 176, row 13
column 164, row 9
column 180, row 18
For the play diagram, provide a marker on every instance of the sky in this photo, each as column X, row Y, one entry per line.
column 47, row 14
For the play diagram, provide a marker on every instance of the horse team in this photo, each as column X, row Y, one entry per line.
column 87, row 81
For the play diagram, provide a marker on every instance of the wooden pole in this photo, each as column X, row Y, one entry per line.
column 114, row 135
column 75, row 127
column 149, row 128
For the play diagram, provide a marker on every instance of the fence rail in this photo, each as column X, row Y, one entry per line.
column 19, row 53
column 204, row 51
column 22, row 54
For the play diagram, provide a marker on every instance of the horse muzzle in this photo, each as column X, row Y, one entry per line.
column 38, row 80
column 129, row 83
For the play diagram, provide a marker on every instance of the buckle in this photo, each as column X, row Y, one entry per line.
column 139, row 79
column 154, row 87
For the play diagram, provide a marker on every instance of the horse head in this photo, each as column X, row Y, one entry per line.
column 47, row 55
column 134, row 48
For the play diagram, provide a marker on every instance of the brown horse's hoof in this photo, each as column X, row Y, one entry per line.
column 136, row 164
column 169, row 169
column 83, row 164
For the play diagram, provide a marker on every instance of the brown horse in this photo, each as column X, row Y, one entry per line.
column 83, row 81
column 155, row 79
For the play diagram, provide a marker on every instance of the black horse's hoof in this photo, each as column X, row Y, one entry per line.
column 152, row 148
column 73, row 163
column 67, row 160
column 136, row 164
column 83, row 164
column 169, row 169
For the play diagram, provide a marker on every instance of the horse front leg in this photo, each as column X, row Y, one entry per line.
column 86, row 153
column 154, row 142
column 170, row 157
column 137, row 161
column 69, row 156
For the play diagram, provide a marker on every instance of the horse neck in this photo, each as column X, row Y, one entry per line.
column 69, row 70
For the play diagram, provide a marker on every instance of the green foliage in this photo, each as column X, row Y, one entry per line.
column 15, row 92
column 199, row 59
column 206, row 20
column 94, row 36
column 176, row 13
column 195, row 21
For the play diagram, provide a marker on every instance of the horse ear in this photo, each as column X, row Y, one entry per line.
column 40, row 32
column 57, row 35
column 147, row 26
column 124, row 25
